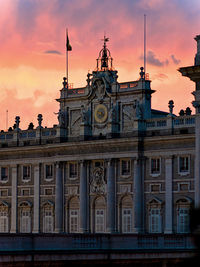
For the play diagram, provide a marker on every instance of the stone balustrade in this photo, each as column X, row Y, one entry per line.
column 168, row 122
column 24, row 242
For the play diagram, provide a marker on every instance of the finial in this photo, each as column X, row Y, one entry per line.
column 88, row 78
column 64, row 82
column 171, row 106
column 17, row 121
column 188, row 111
column 142, row 73
column 40, row 119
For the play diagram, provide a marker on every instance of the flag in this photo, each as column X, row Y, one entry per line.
column 68, row 46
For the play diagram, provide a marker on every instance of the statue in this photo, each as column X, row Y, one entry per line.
column 112, row 114
column 83, row 114
column 61, row 117
column 138, row 109
column 98, row 183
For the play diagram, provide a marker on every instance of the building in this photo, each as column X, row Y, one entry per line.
column 112, row 164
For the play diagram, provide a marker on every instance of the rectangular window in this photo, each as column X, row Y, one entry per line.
column 73, row 170
column 25, row 192
column 183, row 220
column 98, row 163
column 26, row 172
column 48, row 191
column 155, row 221
column 73, row 221
column 3, row 222
column 125, row 167
column 184, row 164
column 99, row 221
column 25, row 222
column 48, row 171
column 155, row 166
column 4, row 174
column 4, row 192
column 48, row 221
column 126, row 220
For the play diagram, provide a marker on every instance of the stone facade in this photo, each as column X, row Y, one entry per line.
column 111, row 165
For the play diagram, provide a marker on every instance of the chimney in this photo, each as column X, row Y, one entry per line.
column 197, row 57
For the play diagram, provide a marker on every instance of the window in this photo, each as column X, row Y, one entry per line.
column 184, row 165
column 26, row 172
column 155, row 220
column 4, row 192
column 25, row 192
column 183, row 220
column 48, row 191
column 48, row 171
column 73, row 170
column 3, row 221
column 98, row 163
column 125, row 167
column 4, row 174
column 99, row 221
column 155, row 166
column 25, row 224
column 48, row 219
column 73, row 223
column 126, row 220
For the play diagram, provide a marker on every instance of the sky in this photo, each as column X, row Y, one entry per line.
column 32, row 50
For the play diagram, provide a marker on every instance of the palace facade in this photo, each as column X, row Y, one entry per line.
column 112, row 164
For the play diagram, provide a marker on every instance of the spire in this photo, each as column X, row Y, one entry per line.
column 104, row 57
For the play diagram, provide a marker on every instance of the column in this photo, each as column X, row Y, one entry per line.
column 111, row 207
column 36, row 206
column 197, row 160
column 14, row 201
column 83, row 197
column 168, row 196
column 59, row 199
column 138, row 196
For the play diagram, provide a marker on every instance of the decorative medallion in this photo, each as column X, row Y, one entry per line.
column 100, row 113
column 98, row 182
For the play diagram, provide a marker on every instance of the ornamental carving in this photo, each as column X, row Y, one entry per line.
column 98, row 183
column 99, row 88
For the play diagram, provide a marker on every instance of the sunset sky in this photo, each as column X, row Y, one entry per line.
column 32, row 50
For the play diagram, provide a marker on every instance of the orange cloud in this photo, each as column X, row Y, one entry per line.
column 30, row 79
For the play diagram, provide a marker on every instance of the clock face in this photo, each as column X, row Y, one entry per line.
column 100, row 113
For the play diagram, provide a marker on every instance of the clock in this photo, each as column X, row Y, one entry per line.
column 101, row 113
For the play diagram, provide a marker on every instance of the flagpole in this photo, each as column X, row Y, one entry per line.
column 7, row 120
column 66, row 58
column 144, row 43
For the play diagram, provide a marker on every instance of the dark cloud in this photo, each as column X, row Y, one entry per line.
column 153, row 60
column 175, row 60
column 53, row 52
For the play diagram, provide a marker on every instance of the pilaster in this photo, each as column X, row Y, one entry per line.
column 14, row 200
column 36, row 206
column 168, row 195
column 111, row 206
column 83, row 198
column 59, row 199
column 138, row 196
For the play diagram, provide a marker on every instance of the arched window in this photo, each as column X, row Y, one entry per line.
column 74, row 215
column 25, row 217
column 48, row 219
column 126, row 214
column 100, row 215
column 183, row 215
column 155, row 216
column 3, row 217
